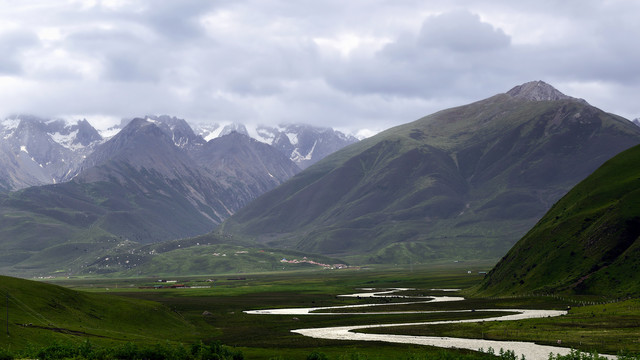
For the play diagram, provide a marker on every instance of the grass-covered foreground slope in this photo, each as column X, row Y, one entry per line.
column 587, row 243
column 40, row 314
column 466, row 182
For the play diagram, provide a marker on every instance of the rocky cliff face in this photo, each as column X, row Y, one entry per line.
column 36, row 151
column 304, row 144
column 538, row 91
column 244, row 166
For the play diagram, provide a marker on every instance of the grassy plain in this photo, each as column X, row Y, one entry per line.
column 606, row 328
column 215, row 313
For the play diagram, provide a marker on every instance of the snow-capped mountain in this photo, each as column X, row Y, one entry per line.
column 144, row 185
column 152, row 179
column 212, row 131
column 35, row 151
column 303, row 144
column 178, row 130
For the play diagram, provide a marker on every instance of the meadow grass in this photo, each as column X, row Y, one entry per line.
column 607, row 328
column 216, row 314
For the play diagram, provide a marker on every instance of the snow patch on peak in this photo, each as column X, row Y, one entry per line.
column 10, row 124
column 211, row 133
column 66, row 140
column 293, row 138
column 109, row 133
column 297, row 157
column 265, row 135
column 234, row 127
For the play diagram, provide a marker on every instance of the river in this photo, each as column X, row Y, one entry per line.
column 530, row 350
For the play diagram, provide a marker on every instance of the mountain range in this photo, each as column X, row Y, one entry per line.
column 303, row 144
column 36, row 151
column 154, row 180
column 465, row 182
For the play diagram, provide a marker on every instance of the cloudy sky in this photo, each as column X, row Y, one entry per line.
column 356, row 65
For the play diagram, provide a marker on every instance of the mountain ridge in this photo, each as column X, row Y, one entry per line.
column 38, row 152
column 54, row 149
column 539, row 91
column 303, row 144
column 474, row 179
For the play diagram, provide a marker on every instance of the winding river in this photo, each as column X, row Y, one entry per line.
column 530, row 350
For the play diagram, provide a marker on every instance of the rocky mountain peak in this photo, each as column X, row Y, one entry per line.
column 234, row 127
column 87, row 134
column 537, row 91
column 177, row 129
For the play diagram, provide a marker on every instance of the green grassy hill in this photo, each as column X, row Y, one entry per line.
column 202, row 255
column 587, row 243
column 41, row 314
column 58, row 228
column 466, row 182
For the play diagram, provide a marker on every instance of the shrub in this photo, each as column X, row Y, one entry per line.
column 317, row 356
column 6, row 355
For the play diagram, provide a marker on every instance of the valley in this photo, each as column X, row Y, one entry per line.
column 216, row 310
column 319, row 180
column 165, row 245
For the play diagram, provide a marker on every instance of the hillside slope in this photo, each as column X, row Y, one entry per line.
column 587, row 243
column 465, row 182
column 40, row 314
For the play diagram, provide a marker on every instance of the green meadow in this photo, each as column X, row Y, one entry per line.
column 129, row 318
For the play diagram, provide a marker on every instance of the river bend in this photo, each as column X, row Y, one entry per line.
column 530, row 350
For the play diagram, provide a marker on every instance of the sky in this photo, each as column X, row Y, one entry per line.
column 360, row 66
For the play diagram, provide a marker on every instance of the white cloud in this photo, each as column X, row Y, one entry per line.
column 345, row 44
column 461, row 31
column 357, row 65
